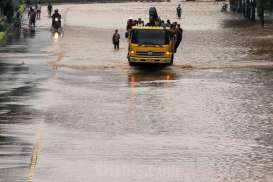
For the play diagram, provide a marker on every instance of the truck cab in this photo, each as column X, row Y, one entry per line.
column 149, row 44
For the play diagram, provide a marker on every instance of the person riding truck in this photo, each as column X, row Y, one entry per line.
column 154, row 43
column 154, row 19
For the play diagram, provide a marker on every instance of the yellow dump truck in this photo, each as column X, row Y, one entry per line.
column 150, row 44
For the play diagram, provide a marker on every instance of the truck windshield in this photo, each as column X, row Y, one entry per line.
column 150, row 37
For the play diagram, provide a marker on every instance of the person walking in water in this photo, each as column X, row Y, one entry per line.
column 115, row 39
column 32, row 17
column 49, row 9
column 179, row 11
column 179, row 36
column 38, row 9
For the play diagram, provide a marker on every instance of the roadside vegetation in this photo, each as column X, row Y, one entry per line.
column 8, row 11
column 251, row 9
column 262, row 6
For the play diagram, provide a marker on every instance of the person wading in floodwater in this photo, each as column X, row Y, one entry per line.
column 49, row 9
column 179, row 35
column 32, row 17
column 179, row 11
column 38, row 9
column 115, row 39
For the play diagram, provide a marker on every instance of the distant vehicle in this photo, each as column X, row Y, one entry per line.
column 150, row 44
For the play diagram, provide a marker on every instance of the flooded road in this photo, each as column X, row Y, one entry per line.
column 72, row 109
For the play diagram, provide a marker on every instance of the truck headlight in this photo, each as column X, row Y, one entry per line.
column 132, row 52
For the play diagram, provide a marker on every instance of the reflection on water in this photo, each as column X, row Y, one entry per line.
column 151, row 76
column 140, row 123
column 18, row 85
column 15, row 120
column 57, row 36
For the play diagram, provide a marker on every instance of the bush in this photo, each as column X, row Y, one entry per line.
column 21, row 8
column 266, row 4
column 2, row 35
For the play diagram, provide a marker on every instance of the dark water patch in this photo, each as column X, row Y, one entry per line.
column 13, row 68
column 263, row 48
column 7, row 140
column 18, row 114
column 18, row 94
column 13, row 49
column 238, row 23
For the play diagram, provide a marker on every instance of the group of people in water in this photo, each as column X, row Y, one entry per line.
column 176, row 33
column 174, row 28
column 34, row 13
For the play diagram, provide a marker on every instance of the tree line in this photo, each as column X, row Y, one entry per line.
column 249, row 8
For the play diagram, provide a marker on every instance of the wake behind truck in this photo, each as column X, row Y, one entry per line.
column 152, row 43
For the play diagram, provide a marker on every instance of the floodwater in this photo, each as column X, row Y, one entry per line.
column 72, row 110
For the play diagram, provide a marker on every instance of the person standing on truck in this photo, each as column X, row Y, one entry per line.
column 115, row 39
column 179, row 11
column 168, row 24
column 172, row 31
column 140, row 22
column 129, row 24
column 179, row 36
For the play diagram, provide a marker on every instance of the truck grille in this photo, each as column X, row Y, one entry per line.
column 149, row 54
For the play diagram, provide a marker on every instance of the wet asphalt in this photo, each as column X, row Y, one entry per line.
column 72, row 109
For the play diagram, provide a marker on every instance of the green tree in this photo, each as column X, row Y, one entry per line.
column 265, row 4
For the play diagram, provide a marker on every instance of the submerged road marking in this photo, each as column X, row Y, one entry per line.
column 34, row 157
column 38, row 145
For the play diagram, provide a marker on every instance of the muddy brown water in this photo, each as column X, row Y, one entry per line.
column 71, row 109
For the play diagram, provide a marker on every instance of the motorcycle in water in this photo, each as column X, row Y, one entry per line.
column 56, row 25
column 56, row 28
